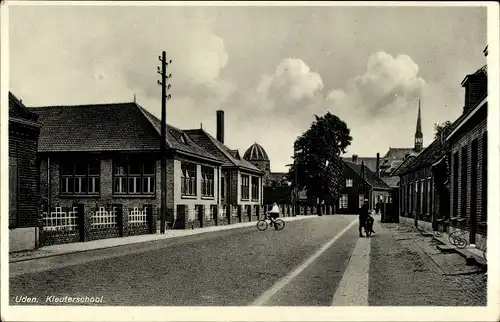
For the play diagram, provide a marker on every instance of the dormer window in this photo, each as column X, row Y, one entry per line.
column 183, row 139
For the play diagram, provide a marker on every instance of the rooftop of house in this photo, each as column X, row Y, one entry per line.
column 397, row 153
column 109, row 127
column 369, row 162
column 370, row 177
column 277, row 176
column 230, row 157
column 18, row 110
column 392, row 182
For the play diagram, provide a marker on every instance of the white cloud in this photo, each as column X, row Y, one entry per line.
column 388, row 84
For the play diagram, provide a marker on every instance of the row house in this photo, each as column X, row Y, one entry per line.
column 100, row 174
column 448, row 181
column 24, row 130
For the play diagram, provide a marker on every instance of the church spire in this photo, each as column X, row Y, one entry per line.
column 418, row 133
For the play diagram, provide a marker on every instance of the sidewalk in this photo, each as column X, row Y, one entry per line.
column 61, row 249
column 469, row 252
column 407, row 269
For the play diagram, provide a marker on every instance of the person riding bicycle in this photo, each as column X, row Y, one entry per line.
column 274, row 214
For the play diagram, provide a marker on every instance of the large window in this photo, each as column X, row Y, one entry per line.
column 80, row 177
column 188, row 179
column 255, row 188
column 463, row 183
column 223, row 188
column 207, row 182
column 133, row 175
column 245, row 187
column 343, row 202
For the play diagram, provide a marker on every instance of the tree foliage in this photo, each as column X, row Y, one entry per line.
column 325, row 141
column 439, row 127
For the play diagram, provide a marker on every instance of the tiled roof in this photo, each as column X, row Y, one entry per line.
column 370, row 177
column 176, row 136
column 370, row 162
column 427, row 157
column 107, row 127
column 397, row 153
column 18, row 110
column 211, row 144
column 277, row 176
column 404, row 165
column 391, row 181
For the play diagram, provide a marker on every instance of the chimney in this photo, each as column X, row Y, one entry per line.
column 220, row 126
column 378, row 165
column 355, row 158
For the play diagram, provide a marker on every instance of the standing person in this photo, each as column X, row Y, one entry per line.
column 363, row 215
column 378, row 207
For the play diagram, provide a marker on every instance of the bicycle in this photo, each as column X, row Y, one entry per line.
column 442, row 224
column 262, row 224
column 456, row 240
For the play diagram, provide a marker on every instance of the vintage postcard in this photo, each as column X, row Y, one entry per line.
column 249, row 161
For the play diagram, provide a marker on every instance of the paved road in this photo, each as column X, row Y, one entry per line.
column 300, row 265
column 315, row 262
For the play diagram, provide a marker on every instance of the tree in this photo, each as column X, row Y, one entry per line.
column 320, row 168
column 439, row 127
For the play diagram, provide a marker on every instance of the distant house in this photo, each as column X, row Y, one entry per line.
column 360, row 184
column 241, row 181
column 417, row 184
column 100, row 173
column 24, row 189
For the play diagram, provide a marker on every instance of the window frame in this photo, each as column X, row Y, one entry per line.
column 349, row 183
column 127, row 163
column 245, row 189
column 207, row 182
column 69, row 176
column 341, row 203
column 255, row 189
column 189, row 185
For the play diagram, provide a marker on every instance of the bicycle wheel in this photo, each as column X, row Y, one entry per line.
column 437, row 233
column 451, row 238
column 262, row 225
column 280, row 224
column 462, row 243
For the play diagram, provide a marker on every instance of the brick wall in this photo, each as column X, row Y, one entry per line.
column 465, row 140
column 23, row 143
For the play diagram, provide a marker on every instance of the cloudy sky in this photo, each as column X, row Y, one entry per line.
column 269, row 68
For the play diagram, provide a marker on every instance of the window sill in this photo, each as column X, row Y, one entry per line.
column 245, row 199
column 134, row 196
column 78, row 196
column 255, row 200
column 208, row 198
column 189, row 197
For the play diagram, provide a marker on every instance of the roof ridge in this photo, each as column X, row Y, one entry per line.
column 82, row 105
column 145, row 113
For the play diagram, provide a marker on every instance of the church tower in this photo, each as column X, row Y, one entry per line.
column 419, row 140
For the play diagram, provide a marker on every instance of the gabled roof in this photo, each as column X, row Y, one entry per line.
column 397, row 153
column 373, row 180
column 108, row 127
column 17, row 110
column 402, row 167
column 370, row 162
column 228, row 156
column 427, row 157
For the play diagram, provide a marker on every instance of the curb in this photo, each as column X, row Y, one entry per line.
column 478, row 260
column 195, row 232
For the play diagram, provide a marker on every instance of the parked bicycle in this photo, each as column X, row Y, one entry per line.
column 442, row 224
column 278, row 224
column 455, row 238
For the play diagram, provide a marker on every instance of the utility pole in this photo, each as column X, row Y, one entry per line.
column 163, row 144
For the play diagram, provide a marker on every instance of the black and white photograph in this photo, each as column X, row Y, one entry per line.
column 249, row 161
